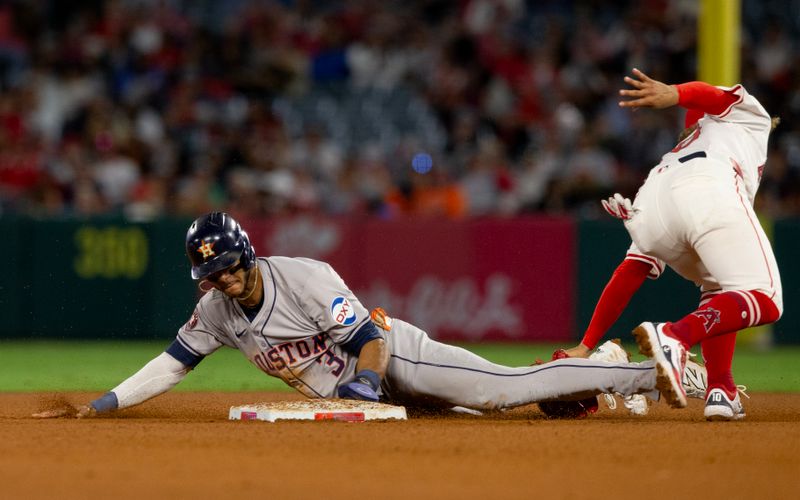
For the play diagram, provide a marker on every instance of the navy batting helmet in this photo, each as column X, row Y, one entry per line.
column 215, row 242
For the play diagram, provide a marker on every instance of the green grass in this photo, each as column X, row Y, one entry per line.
column 99, row 366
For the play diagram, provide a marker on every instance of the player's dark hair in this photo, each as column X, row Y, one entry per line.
column 686, row 132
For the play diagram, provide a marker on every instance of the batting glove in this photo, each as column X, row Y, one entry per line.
column 618, row 206
column 364, row 387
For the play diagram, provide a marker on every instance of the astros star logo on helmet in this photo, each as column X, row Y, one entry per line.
column 207, row 249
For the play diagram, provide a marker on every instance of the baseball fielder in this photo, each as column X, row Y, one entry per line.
column 695, row 213
column 294, row 318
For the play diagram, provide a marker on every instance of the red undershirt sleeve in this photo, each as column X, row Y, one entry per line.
column 700, row 98
column 624, row 283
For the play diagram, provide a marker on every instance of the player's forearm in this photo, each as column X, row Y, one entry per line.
column 374, row 356
column 704, row 97
column 624, row 283
column 156, row 377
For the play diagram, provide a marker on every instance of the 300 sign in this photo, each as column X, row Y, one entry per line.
column 110, row 252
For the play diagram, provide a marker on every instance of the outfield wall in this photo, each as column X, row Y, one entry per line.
column 520, row 279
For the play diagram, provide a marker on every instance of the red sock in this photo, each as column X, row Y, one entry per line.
column 718, row 357
column 725, row 313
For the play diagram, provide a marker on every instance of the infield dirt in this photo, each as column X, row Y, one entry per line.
column 181, row 445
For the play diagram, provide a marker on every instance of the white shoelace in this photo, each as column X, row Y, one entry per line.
column 742, row 389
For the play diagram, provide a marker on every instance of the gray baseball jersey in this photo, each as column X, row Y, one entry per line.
column 309, row 320
column 297, row 335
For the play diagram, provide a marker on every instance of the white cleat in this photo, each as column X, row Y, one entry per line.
column 721, row 408
column 670, row 357
column 612, row 352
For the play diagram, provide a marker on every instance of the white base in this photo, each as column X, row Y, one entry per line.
column 344, row 410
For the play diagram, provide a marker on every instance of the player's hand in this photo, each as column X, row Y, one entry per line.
column 357, row 390
column 363, row 387
column 648, row 93
column 618, row 206
column 579, row 351
column 557, row 354
column 86, row 411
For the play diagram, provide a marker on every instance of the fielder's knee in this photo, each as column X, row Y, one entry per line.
column 765, row 308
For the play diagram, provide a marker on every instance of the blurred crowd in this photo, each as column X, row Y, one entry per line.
column 147, row 108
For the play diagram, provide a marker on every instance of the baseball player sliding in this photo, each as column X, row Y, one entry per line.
column 695, row 214
column 294, row 318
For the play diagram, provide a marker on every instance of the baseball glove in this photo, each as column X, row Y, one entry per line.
column 567, row 409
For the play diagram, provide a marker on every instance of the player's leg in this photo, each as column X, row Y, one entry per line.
column 718, row 359
column 715, row 218
column 734, row 250
column 717, row 351
column 425, row 370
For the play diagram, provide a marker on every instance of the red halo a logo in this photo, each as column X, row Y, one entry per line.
column 709, row 316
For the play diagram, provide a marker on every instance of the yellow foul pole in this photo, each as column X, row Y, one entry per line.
column 719, row 41
column 718, row 55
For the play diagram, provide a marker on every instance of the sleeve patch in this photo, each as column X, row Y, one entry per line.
column 193, row 320
column 342, row 311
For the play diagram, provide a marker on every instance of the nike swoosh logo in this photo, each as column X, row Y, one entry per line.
column 239, row 335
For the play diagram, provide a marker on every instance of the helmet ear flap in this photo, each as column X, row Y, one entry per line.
column 248, row 258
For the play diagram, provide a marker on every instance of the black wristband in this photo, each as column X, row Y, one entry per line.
column 370, row 378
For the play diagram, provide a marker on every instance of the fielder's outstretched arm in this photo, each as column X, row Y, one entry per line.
column 624, row 283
